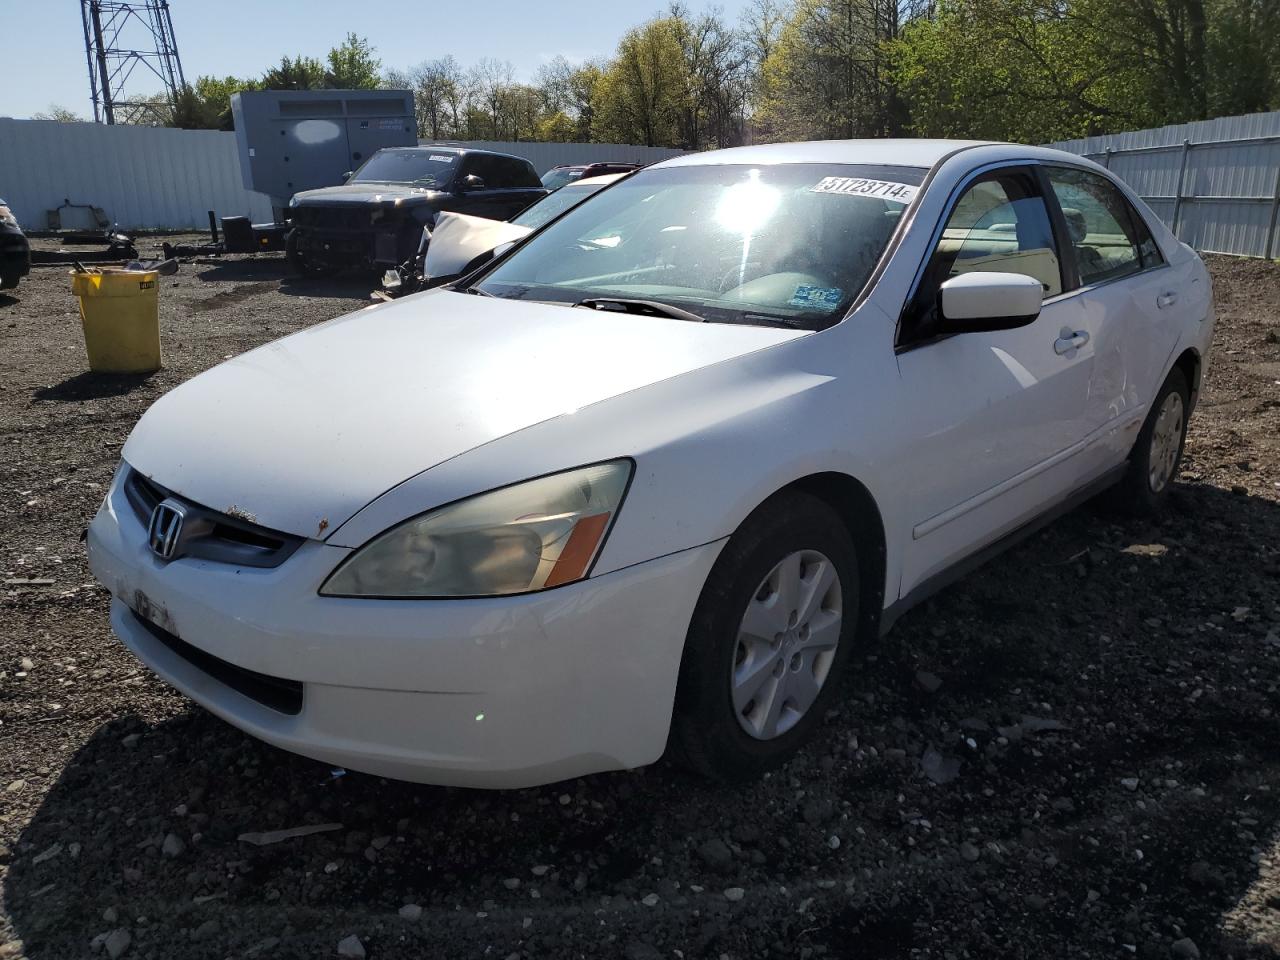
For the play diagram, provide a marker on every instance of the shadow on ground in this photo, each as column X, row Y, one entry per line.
column 1107, row 700
column 346, row 283
column 92, row 386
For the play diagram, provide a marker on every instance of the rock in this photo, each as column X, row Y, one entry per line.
column 540, row 870
column 26, row 663
column 637, row 950
column 941, row 770
column 411, row 912
column 1129, row 783
column 1185, row 948
column 928, row 682
column 651, row 900
column 715, row 853
column 1037, row 902
column 969, row 852
column 15, row 786
column 734, row 894
column 351, row 947
column 817, row 811
column 511, row 883
column 117, row 942
column 172, row 846
column 205, row 930
column 110, row 915
column 834, row 842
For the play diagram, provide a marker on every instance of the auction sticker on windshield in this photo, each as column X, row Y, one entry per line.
column 861, row 187
column 816, row 298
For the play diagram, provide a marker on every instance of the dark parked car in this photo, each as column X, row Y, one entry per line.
column 557, row 177
column 376, row 218
column 15, row 252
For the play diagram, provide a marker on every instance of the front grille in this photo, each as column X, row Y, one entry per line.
column 350, row 217
column 283, row 696
column 222, row 537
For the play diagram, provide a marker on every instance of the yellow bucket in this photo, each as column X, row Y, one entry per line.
column 120, row 312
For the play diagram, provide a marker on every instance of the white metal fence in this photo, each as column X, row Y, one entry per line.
column 1216, row 183
column 162, row 178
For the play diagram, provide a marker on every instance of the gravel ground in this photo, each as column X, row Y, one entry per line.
column 1073, row 752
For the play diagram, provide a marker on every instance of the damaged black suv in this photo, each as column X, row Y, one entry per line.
column 376, row 218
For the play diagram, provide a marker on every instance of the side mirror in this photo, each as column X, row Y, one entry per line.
column 347, row 176
column 975, row 302
column 471, row 182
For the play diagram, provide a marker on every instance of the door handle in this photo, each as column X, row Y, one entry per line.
column 1070, row 340
column 1167, row 299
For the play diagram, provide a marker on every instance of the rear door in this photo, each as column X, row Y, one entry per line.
column 1131, row 301
column 1000, row 415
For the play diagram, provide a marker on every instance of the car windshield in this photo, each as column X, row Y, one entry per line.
column 557, row 177
column 788, row 244
column 424, row 168
column 551, row 206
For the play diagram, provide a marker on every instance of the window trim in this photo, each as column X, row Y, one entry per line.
column 1026, row 166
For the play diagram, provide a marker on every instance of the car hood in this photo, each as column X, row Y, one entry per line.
column 365, row 193
column 459, row 238
column 301, row 433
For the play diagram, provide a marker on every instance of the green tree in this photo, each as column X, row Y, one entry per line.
column 206, row 104
column 830, row 71
column 640, row 92
column 352, row 65
column 59, row 113
column 299, row 73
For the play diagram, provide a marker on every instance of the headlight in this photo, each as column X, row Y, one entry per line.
column 293, row 201
column 537, row 534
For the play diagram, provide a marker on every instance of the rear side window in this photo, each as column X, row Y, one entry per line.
column 520, row 173
column 1000, row 224
column 1109, row 237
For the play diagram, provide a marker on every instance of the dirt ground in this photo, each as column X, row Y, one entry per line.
column 1096, row 775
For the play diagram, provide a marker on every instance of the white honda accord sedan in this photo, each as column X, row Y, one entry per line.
column 649, row 478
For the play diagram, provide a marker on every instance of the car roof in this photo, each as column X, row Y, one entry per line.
column 445, row 148
column 601, row 181
column 901, row 153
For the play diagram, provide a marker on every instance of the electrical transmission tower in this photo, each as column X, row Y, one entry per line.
column 119, row 37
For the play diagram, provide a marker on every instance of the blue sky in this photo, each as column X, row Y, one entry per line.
column 44, row 44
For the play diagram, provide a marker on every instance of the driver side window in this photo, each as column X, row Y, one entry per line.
column 1000, row 224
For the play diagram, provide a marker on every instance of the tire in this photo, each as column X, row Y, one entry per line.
column 299, row 263
column 9, row 281
column 1157, row 453
column 732, row 743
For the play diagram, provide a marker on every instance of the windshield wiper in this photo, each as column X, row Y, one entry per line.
column 647, row 308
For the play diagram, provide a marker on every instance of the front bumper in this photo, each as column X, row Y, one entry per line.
column 15, row 253
column 502, row 692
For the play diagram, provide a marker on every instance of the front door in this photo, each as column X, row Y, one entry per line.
column 1000, row 415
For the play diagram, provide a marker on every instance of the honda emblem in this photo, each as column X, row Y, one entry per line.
column 165, row 530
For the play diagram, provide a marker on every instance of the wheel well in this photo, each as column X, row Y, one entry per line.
column 857, row 508
column 1189, row 363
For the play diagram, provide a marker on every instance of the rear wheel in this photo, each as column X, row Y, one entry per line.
column 1157, row 452
column 769, row 639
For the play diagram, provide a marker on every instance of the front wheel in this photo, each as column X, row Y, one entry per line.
column 299, row 262
column 769, row 640
column 1157, row 452
column 9, row 281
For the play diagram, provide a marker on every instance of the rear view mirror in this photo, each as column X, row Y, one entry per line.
column 978, row 301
